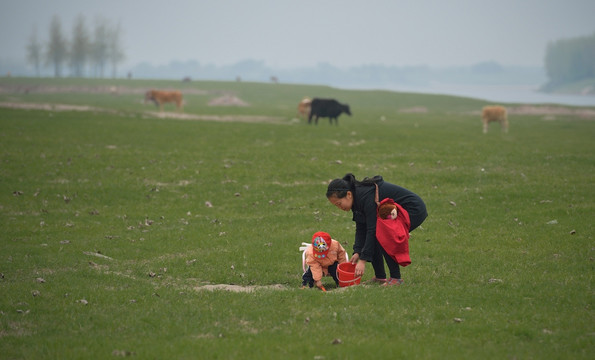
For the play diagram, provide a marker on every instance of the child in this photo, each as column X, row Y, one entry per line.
column 392, row 231
column 322, row 258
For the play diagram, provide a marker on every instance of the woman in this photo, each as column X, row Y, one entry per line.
column 360, row 197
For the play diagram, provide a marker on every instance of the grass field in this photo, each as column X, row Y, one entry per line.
column 120, row 227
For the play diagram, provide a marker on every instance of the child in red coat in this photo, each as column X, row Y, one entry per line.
column 322, row 259
column 392, row 230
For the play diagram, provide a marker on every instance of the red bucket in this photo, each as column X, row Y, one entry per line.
column 346, row 275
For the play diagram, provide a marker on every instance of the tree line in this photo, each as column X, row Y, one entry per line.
column 570, row 60
column 85, row 53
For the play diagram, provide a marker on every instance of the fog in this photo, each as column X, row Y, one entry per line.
column 302, row 41
column 288, row 34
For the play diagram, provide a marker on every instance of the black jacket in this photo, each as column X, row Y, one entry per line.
column 364, row 213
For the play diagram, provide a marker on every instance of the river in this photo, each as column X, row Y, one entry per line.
column 518, row 94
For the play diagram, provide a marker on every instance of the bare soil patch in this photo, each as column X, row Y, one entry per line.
column 219, row 118
column 552, row 110
column 156, row 114
column 47, row 107
column 238, row 288
column 548, row 111
column 228, row 100
column 105, row 89
column 415, row 109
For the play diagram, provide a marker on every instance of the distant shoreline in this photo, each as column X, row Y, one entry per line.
column 516, row 94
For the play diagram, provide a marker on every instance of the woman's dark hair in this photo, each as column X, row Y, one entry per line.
column 339, row 187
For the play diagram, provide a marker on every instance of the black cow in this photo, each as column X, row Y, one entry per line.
column 329, row 108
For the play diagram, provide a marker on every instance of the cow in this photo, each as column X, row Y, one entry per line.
column 303, row 108
column 329, row 108
column 494, row 113
column 160, row 97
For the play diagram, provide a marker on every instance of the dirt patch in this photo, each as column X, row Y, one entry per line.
column 219, row 118
column 548, row 111
column 47, row 107
column 238, row 288
column 155, row 114
column 106, row 89
column 223, row 98
column 228, row 100
column 415, row 110
column 253, row 288
column 552, row 110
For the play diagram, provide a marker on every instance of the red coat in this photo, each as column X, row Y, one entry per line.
column 393, row 234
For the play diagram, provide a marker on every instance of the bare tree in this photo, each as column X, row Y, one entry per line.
column 34, row 50
column 115, row 53
column 99, row 52
column 79, row 52
column 57, row 50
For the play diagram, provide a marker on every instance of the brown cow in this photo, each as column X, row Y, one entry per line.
column 160, row 97
column 304, row 107
column 494, row 113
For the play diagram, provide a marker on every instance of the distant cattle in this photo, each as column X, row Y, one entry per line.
column 303, row 108
column 329, row 108
column 494, row 113
column 160, row 97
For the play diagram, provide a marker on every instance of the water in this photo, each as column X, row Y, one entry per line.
column 518, row 94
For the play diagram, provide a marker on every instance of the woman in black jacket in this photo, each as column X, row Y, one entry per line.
column 360, row 197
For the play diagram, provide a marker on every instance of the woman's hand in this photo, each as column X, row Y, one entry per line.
column 354, row 258
column 360, row 268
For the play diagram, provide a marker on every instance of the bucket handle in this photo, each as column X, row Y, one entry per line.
column 350, row 281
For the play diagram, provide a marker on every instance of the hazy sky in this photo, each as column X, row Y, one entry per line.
column 290, row 33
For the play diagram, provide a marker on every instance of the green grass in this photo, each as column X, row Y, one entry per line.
column 502, row 268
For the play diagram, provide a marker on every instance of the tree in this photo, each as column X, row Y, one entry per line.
column 79, row 52
column 34, row 50
column 115, row 52
column 99, row 47
column 570, row 60
column 57, row 50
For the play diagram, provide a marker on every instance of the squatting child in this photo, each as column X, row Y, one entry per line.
column 322, row 259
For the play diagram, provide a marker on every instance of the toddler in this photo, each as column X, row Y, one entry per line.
column 322, row 259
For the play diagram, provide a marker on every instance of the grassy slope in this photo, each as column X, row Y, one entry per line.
column 88, row 183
